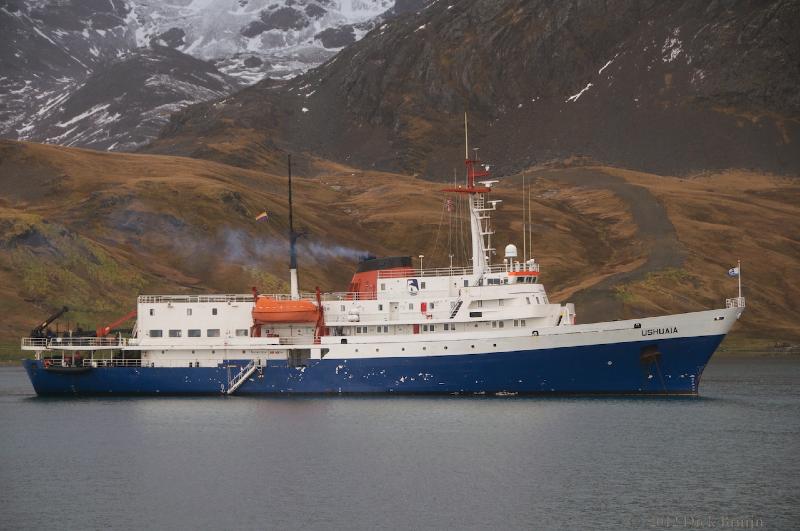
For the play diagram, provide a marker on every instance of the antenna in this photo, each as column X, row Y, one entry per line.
column 466, row 138
column 530, row 221
column 295, row 291
column 524, row 228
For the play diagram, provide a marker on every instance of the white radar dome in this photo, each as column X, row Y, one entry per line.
column 511, row 251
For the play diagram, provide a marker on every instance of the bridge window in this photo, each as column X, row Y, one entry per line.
column 193, row 332
column 174, row 333
column 242, row 332
column 156, row 333
column 212, row 332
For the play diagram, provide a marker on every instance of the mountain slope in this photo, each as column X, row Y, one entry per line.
column 669, row 87
column 61, row 60
column 92, row 230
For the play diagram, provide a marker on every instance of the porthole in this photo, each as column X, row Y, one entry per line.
column 356, row 350
column 473, row 346
column 494, row 344
column 445, row 347
column 403, row 349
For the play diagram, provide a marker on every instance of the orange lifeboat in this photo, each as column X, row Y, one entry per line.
column 269, row 311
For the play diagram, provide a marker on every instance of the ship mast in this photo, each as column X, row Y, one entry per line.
column 478, row 208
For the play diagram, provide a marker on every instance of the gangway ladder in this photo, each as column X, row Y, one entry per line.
column 237, row 381
column 459, row 302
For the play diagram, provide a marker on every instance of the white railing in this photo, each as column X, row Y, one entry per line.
column 736, row 302
column 194, row 298
column 34, row 342
column 111, row 363
column 87, row 342
column 455, row 271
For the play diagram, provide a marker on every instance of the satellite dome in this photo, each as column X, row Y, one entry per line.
column 511, row 251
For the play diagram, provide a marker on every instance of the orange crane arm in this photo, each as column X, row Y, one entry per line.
column 104, row 330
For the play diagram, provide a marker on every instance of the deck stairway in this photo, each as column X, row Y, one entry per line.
column 237, row 381
column 457, row 307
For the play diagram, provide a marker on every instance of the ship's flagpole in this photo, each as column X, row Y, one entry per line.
column 739, row 269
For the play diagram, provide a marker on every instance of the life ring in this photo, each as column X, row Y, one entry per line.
column 48, row 363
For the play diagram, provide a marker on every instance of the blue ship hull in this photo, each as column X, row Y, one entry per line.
column 620, row 368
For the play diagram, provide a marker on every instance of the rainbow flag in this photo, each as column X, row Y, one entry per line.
column 263, row 216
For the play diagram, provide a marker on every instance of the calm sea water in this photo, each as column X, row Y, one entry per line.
column 728, row 459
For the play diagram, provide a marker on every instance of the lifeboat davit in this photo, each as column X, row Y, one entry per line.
column 269, row 311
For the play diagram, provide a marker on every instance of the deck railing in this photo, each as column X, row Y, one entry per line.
column 34, row 342
column 87, row 342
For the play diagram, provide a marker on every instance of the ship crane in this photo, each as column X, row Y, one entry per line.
column 103, row 331
column 41, row 330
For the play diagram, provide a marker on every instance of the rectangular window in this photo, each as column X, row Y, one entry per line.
column 537, row 300
column 341, row 307
column 516, row 322
column 422, row 285
column 494, row 324
column 528, row 299
column 242, row 332
column 386, row 329
column 522, row 323
column 212, row 332
column 433, row 328
column 213, row 311
column 501, row 324
column 466, row 283
column 446, row 326
column 380, row 307
column 544, row 298
column 188, row 311
column 411, row 306
column 152, row 311
column 431, row 306
column 193, row 333
column 174, row 333
column 156, row 333
column 501, row 302
column 383, row 286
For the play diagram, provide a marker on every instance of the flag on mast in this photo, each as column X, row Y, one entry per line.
column 263, row 216
column 733, row 272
